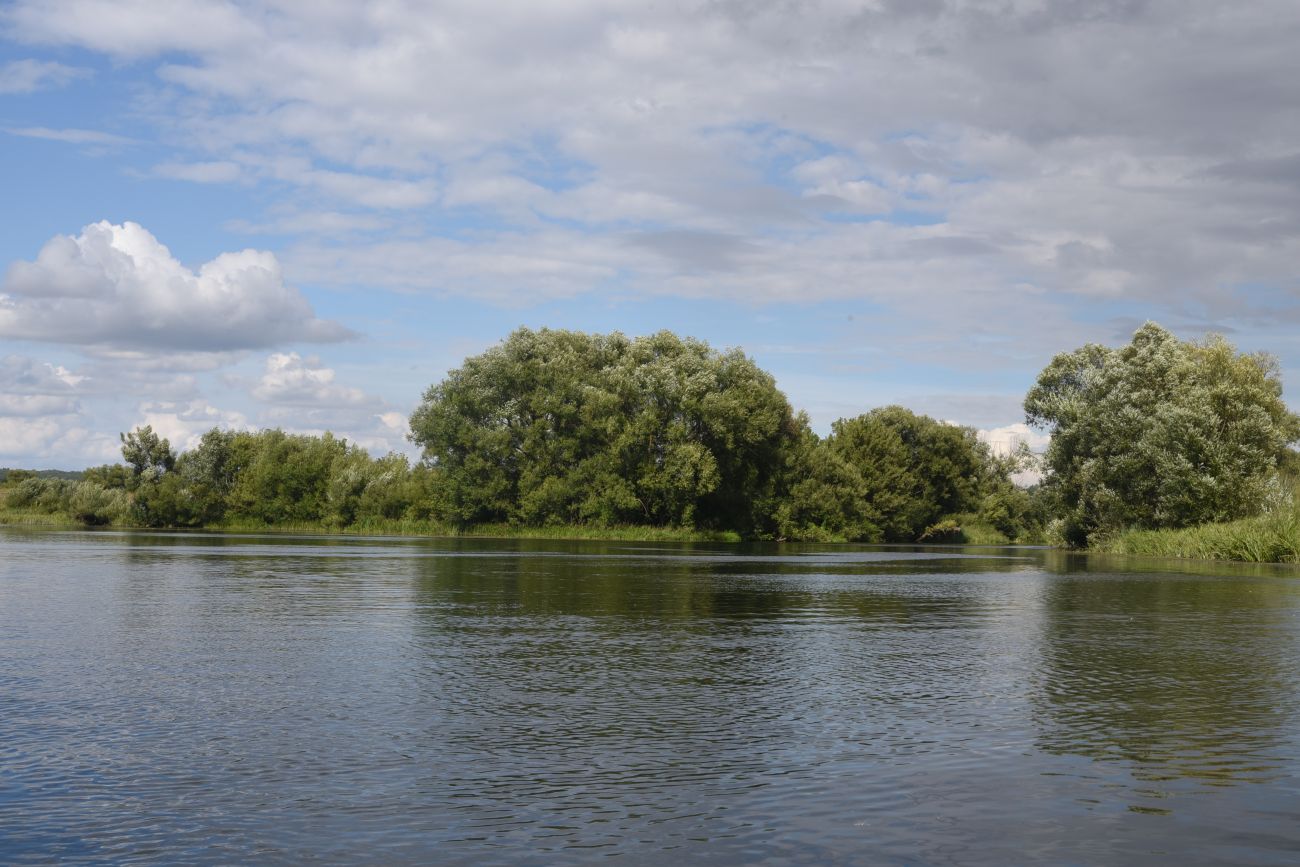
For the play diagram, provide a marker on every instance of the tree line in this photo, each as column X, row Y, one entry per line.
column 554, row 427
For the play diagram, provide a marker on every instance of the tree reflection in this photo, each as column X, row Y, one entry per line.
column 1181, row 677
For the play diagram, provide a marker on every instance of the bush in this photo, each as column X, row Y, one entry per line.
column 96, row 505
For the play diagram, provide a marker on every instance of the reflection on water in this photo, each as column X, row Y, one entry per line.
column 1179, row 679
column 174, row 697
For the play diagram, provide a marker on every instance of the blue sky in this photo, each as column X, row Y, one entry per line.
column 302, row 214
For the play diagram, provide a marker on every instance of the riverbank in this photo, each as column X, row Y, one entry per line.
column 1269, row 538
column 26, row 518
column 1273, row 537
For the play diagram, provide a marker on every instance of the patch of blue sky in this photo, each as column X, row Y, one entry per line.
column 893, row 217
column 904, row 217
column 69, row 56
column 541, row 160
column 777, row 151
column 63, row 187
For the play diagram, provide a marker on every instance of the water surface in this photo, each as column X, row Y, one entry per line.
column 206, row 698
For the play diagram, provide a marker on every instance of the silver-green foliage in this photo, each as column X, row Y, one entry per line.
column 1160, row 433
column 564, row 427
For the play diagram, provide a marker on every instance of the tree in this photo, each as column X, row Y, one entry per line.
column 915, row 470
column 564, row 427
column 1160, row 433
column 824, row 496
column 148, row 454
column 280, row 478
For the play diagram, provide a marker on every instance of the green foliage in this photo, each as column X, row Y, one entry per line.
column 914, row 470
column 571, row 434
column 949, row 531
column 86, row 502
column 94, row 505
column 1272, row 537
column 1161, row 433
column 274, row 479
column 824, row 497
column 283, row 478
column 147, row 454
column 109, row 476
column 40, row 495
column 1017, row 514
column 10, row 476
column 561, row 427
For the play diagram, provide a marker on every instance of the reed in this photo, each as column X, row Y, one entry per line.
column 1273, row 537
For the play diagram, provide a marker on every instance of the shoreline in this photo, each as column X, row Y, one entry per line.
column 410, row 529
column 1116, row 547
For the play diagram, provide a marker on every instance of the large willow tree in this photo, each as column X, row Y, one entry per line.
column 566, row 427
column 1160, row 433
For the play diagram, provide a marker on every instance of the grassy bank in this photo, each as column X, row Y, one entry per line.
column 1270, row 538
column 23, row 518
column 1273, row 537
column 14, row 517
column 494, row 531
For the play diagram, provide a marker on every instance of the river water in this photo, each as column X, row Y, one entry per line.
column 173, row 698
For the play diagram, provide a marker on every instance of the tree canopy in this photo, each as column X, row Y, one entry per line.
column 564, row 427
column 1160, row 433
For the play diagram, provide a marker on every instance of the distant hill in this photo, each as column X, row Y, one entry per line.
column 74, row 475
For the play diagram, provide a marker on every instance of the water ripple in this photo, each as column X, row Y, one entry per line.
column 209, row 699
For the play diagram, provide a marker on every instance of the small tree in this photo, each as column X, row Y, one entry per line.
column 148, row 454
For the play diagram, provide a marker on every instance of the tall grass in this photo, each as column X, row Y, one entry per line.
column 24, row 518
column 401, row 527
column 1273, row 537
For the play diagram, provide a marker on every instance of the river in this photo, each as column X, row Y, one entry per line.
column 206, row 698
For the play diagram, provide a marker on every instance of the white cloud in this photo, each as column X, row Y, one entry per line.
column 71, row 136
column 511, row 268
column 732, row 151
column 29, row 442
column 328, row 223
column 33, row 388
column 1005, row 440
column 1166, row 172
column 209, row 172
column 183, row 424
column 303, row 397
column 288, row 379
column 394, row 422
column 118, row 288
column 131, row 28
column 29, row 76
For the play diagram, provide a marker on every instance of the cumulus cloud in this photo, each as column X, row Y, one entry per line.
column 35, row 388
column 377, row 433
column 30, row 441
column 117, row 287
column 184, row 423
column 1007, row 439
column 289, row 379
column 302, row 397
